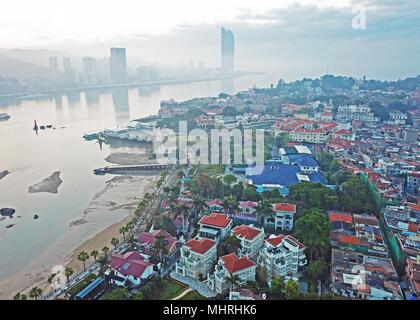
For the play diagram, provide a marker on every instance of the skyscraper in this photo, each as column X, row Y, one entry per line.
column 54, row 66
column 90, row 70
column 228, row 51
column 118, row 65
column 69, row 73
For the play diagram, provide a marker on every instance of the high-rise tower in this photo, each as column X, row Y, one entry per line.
column 227, row 51
column 118, row 65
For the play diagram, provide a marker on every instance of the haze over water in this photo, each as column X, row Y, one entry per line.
column 63, row 149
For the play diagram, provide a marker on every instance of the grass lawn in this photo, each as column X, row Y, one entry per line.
column 82, row 284
column 171, row 289
column 193, row 295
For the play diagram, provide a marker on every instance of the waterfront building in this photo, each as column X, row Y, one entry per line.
column 128, row 269
column 118, row 65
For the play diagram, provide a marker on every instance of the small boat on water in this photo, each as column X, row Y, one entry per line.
column 92, row 135
column 4, row 116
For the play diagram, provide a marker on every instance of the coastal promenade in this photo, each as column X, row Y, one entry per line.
column 148, row 214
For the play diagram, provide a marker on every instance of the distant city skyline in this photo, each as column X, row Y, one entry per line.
column 295, row 38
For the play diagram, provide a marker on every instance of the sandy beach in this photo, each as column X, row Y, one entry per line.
column 99, row 223
column 49, row 184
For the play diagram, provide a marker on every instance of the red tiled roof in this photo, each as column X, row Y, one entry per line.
column 233, row 263
column 335, row 216
column 413, row 227
column 246, row 232
column 131, row 263
column 216, row 220
column 250, row 204
column 349, row 239
column 414, row 206
column 300, row 244
column 343, row 132
column 200, row 246
column 215, row 202
column 149, row 238
column 275, row 241
column 414, row 174
column 288, row 207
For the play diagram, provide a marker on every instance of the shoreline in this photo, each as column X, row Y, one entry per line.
column 110, row 208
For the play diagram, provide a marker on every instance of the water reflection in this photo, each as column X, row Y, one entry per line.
column 148, row 90
column 121, row 105
column 226, row 86
column 73, row 98
column 92, row 97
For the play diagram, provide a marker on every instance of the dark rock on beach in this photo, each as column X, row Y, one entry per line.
column 7, row 212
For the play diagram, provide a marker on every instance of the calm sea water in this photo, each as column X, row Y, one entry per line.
column 35, row 157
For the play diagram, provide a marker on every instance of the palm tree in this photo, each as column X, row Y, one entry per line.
column 233, row 280
column 264, row 210
column 199, row 202
column 94, row 254
column 123, row 231
column 115, row 242
column 68, row 272
column 103, row 262
column 230, row 204
column 83, row 257
column 131, row 241
column 105, row 250
column 20, row 296
column 161, row 246
column 182, row 210
column 35, row 293
column 51, row 277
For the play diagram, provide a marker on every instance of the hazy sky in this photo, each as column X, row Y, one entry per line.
column 295, row 37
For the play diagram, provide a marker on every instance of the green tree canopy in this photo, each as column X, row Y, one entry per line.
column 313, row 230
column 117, row 294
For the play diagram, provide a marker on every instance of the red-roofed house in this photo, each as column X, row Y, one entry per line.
column 282, row 218
column 215, row 226
column 215, row 205
column 251, row 239
column 229, row 266
column 282, row 255
column 128, row 269
column 247, row 207
column 340, row 216
column 148, row 239
column 197, row 257
column 344, row 134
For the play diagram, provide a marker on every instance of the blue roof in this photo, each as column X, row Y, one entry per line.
column 276, row 173
column 303, row 160
column 90, row 287
column 283, row 174
column 317, row 177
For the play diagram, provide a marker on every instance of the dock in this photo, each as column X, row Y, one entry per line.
column 124, row 169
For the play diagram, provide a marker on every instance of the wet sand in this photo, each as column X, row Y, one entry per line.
column 109, row 209
column 50, row 184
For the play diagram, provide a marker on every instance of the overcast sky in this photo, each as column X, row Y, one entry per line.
column 293, row 37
